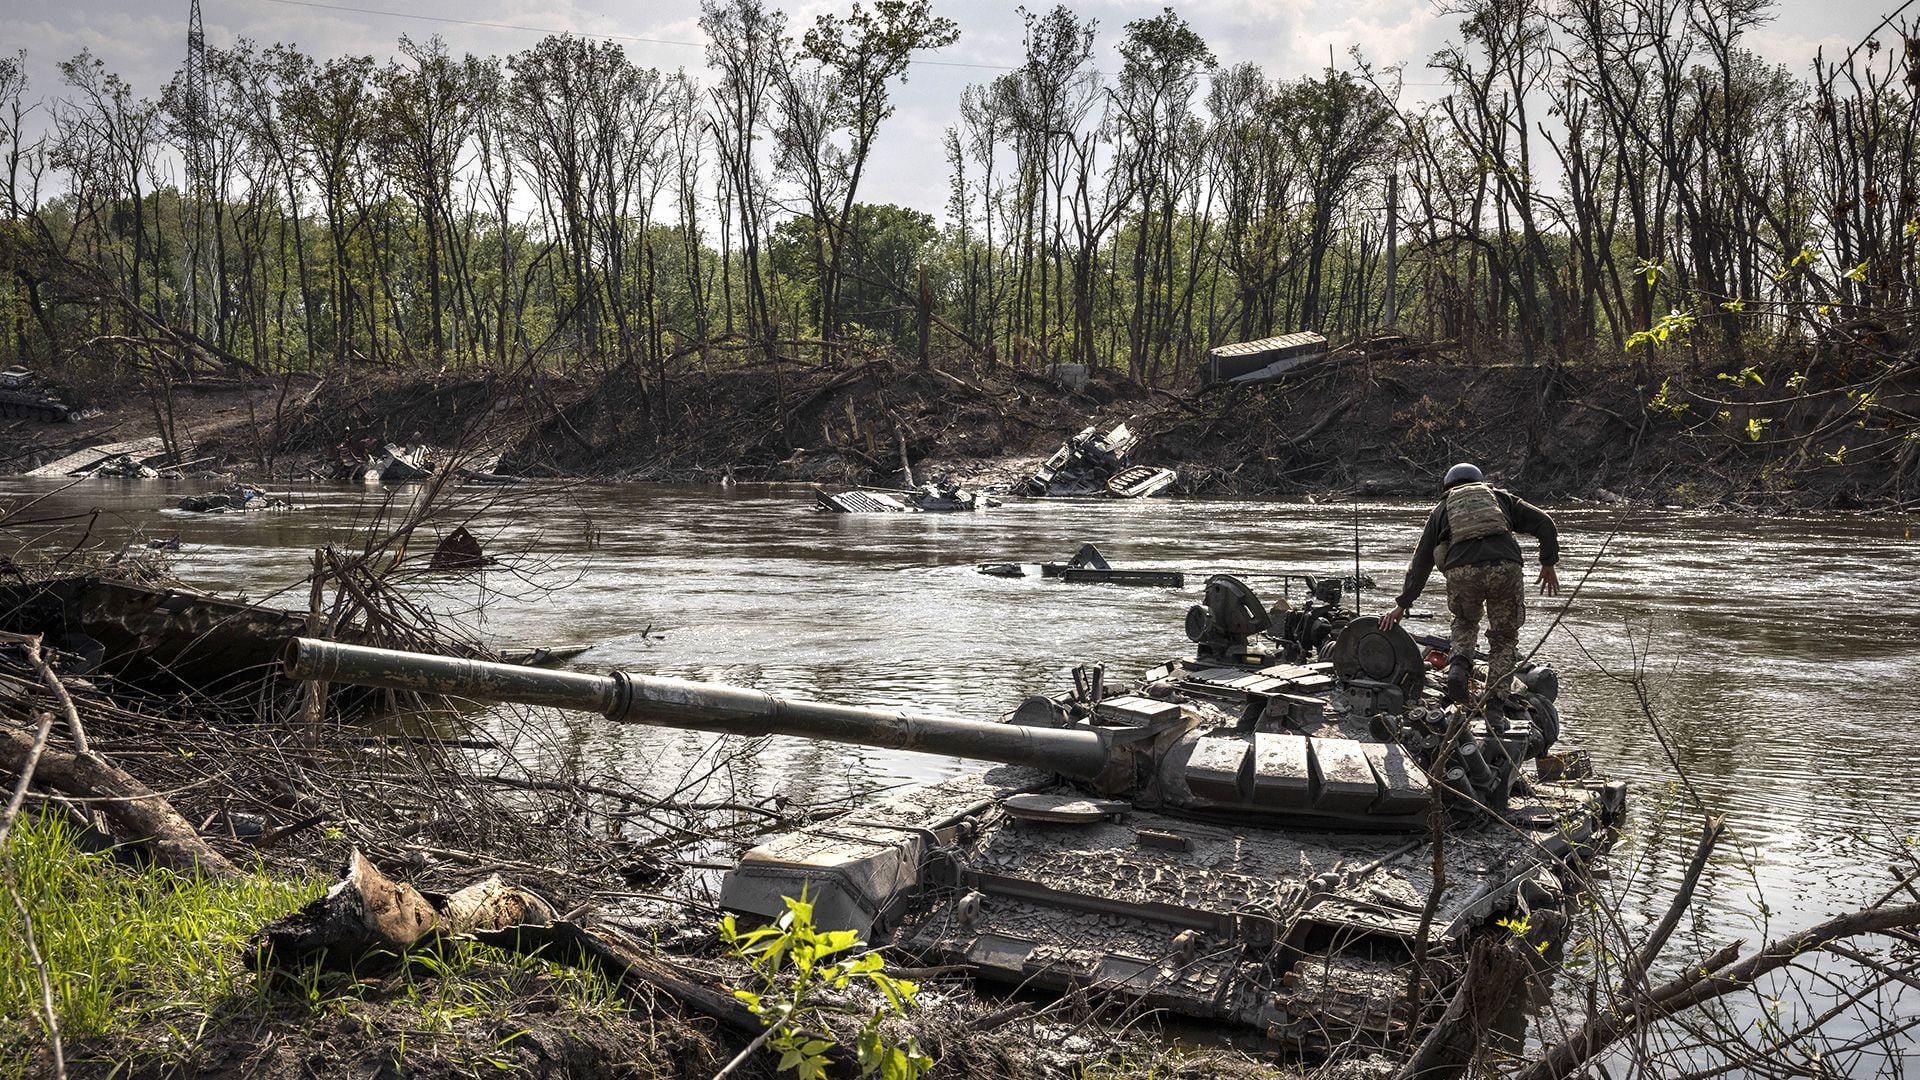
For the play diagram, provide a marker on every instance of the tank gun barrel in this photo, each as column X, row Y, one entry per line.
column 627, row 698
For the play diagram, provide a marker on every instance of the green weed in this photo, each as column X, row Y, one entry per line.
column 795, row 960
column 122, row 946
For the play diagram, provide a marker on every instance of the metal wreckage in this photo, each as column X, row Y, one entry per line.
column 1089, row 463
column 1241, row 837
column 944, row 495
column 1095, row 463
column 22, row 396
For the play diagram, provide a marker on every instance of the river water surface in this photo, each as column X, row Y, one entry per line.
column 1781, row 656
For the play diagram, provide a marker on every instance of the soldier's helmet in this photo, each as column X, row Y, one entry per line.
column 1463, row 473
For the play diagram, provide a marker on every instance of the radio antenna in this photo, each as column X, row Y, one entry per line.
column 1356, row 555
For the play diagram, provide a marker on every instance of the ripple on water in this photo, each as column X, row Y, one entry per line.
column 1779, row 654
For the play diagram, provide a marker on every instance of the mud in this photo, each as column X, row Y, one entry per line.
column 1383, row 427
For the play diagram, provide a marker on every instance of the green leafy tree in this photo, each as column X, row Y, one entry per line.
column 1334, row 127
column 860, row 57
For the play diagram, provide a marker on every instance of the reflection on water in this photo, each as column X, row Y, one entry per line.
column 1781, row 654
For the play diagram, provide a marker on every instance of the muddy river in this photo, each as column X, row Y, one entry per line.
column 1778, row 655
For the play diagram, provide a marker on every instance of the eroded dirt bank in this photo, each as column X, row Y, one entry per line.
column 1602, row 431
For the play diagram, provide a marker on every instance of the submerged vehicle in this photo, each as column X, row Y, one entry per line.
column 233, row 499
column 1092, row 463
column 1089, row 567
column 125, row 467
column 1140, row 481
column 21, row 396
column 933, row 497
column 1244, row 837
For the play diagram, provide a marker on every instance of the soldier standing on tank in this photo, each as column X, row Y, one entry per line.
column 1470, row 536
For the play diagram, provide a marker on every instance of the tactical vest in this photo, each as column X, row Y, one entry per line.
column 1473, row 511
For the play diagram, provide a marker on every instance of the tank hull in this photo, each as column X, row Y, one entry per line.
column 1304, row 936
column 1278, row 874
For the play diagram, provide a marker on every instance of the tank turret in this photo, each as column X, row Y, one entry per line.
column 1179, row 751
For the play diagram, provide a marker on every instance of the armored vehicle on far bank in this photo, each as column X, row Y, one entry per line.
column 1245, row 836
column 21, row 396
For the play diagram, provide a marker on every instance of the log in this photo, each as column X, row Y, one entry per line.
column 492, row 904
column 1656, row 941
column 135, row 814
column 625, row 962
column 367, row 912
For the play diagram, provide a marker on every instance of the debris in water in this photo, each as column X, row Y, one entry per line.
column 235, row 498
column 1089, row 567
column 459, row 550
column 939, row 496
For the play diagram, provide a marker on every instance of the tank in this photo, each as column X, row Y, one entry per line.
column 1242, row 836
column 21, row 396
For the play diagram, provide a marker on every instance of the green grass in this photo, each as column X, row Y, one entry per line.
column 121, row 945
column 154, row 955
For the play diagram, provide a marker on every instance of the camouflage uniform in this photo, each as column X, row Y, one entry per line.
column 1500, row 589
column 1483, row 575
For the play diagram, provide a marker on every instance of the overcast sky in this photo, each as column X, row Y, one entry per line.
column 145, row 42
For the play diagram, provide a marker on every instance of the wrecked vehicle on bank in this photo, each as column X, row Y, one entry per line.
column 1095, row 463
column 374, row 461
column 1267, row 360
column 1242, row 836
column 21, row 396
column 934, row 497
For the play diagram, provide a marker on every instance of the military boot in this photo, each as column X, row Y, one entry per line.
column 1459, row 680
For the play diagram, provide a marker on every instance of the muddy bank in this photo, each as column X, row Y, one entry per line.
column 1606, row 431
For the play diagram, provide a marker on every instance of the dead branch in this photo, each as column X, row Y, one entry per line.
column 136, row 813
column 1709, row 836
column 368, row 913
column 1698, row 984
column 1495, row 969
column 31, row 644
column 623, row 960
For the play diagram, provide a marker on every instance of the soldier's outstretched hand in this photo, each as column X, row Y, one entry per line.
column 1389, row 619
column 1549, row 581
